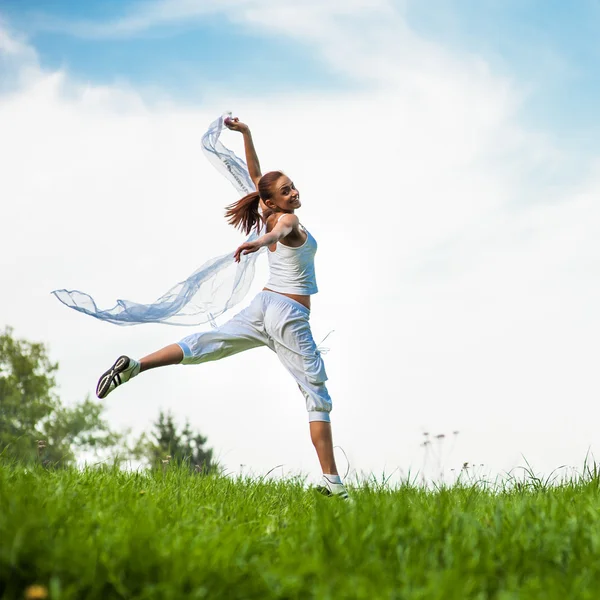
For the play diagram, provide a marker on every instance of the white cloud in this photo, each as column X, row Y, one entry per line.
column 141, row 17
column 458, row 278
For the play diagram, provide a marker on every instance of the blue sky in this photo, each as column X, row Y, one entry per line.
column 180, row 58
column 549, row 46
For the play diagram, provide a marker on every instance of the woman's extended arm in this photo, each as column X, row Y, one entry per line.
column 284, row 227
column 251, row 157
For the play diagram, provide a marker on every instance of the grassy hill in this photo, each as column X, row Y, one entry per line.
column 102, row 534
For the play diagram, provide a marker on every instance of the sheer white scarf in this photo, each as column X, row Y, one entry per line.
column 218, row 285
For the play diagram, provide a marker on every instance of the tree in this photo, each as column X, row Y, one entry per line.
column 185, row 447
column 34, row 424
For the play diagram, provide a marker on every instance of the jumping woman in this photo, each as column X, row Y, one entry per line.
column 278, row 317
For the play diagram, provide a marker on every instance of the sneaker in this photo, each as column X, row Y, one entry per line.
column 327, row 488
column 122, row 371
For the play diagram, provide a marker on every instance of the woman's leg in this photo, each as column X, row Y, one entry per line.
column 242, row 332
column 125, row 368
column 322, row 439
column 287, row 322
column 169, row 355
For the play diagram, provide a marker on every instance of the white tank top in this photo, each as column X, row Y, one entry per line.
column 292, row 270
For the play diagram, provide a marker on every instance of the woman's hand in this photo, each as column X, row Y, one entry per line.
column 246, row 248
column 235, row 124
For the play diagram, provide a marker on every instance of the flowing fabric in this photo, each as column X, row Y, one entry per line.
column 218, row 285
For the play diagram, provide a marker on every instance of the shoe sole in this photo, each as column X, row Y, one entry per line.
column 321, row 489
column 103, row 387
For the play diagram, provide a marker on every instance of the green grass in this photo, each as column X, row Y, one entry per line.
column 101, row 534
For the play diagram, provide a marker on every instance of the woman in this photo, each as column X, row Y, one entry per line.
column 278, row 317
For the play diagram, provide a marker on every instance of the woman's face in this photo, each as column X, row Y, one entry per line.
column 286, row 197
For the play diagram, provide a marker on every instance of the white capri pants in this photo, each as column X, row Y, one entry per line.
column 276, row 321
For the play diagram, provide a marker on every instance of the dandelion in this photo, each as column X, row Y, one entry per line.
column 165, row 463
column 36, row 592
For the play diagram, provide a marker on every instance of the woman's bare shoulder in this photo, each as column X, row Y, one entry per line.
column 274, row 218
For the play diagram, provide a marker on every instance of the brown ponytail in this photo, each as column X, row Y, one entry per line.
column 244, row 213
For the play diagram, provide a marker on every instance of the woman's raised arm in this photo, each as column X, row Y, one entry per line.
column 251, row 157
